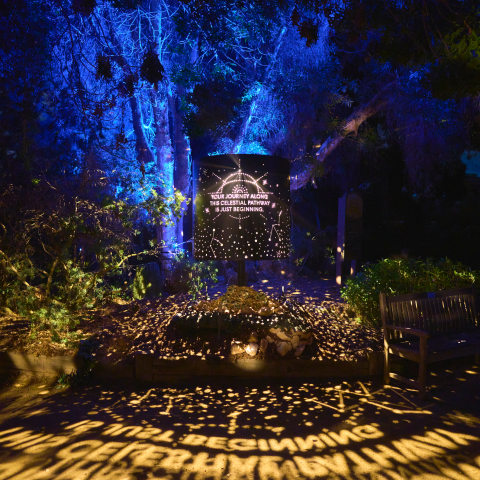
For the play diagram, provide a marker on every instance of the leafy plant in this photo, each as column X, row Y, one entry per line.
column 395, row 277
column 148, row 281
column 60, row 241
column 188, row 275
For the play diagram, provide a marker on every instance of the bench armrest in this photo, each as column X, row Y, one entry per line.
column 413, row 331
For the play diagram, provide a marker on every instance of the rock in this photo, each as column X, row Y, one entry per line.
column 269, row 339
column 303, row 335
column 264, row 344
column 248, row 310
column 295, row 341
column 252, row 349
column 253, row 337
column 266, row 311
column 299, row 350
column 283, row 348
column 283, row 336
column 236, row 348
column 275, row 330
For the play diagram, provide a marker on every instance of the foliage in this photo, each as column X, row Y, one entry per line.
column 188, row 275
column 60, row 240
column 441, row 35
column 151, row 69
column 396, row 277
column 148, row 281
column 211, row 106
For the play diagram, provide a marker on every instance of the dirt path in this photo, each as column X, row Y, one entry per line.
column 246, row 431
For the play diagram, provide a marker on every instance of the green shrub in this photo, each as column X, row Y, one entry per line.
column 148, row 282
column 396, row 277
column 77, row 378
column 61, row 241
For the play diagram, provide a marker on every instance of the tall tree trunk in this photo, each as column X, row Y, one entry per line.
column 350, row 125
column 144, row 154
column 165, row 168
column 181, row 147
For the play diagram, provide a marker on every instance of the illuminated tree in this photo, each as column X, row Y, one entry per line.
column 118, row 60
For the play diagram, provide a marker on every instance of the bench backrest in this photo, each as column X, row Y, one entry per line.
column 436, row 313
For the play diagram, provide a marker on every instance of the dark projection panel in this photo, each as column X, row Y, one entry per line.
column 241, row 207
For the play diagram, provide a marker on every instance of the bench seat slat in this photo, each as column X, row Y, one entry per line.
column 437, row 344
column 453, row 311
column 442, row 315
column 411, row 315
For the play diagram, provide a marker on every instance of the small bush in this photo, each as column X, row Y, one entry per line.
column 396, row 277
column 148, row 282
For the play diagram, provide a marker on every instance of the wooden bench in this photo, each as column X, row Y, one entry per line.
column 429, row 327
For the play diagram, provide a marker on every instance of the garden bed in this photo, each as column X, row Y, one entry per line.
column 122, row 330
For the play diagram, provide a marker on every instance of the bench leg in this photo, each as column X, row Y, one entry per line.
column 386, row 367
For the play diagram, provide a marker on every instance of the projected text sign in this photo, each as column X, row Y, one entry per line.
column 242, row 207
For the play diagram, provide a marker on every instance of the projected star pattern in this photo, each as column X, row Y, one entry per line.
column 242, row 208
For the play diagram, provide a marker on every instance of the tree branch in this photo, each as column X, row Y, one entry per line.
column 350, row 125
column 18, row 274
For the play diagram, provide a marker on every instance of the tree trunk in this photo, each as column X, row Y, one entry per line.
column 165, row 169
column 142, row 149
column 350, row 125
column 181, row 148
column 144, row 154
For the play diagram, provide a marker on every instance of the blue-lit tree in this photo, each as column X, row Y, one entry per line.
column 114, row 60
column 132, row 81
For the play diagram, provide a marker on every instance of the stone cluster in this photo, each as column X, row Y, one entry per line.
column 283, row 340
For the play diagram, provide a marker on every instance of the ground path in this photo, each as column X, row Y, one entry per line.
column 232, row 430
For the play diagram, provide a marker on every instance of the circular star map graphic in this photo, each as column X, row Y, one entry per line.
column 242, row 209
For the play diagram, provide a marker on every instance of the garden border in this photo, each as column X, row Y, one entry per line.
column 148, row 368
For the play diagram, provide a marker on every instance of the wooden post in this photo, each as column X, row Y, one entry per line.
column 241, row 277
column 342, row 202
